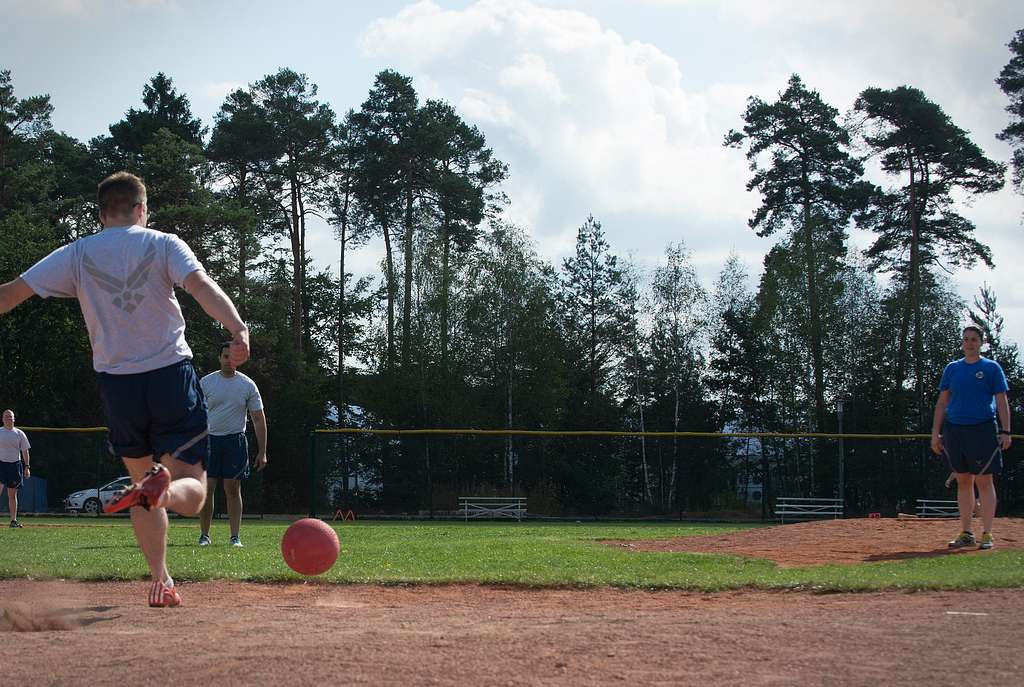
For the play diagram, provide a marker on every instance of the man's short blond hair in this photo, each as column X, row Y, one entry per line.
column 119, row 193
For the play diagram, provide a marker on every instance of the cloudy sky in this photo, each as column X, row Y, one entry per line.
column 615, row 108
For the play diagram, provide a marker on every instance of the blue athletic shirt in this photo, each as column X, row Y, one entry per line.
column 973, row 387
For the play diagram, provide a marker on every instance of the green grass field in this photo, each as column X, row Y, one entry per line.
column 562, row 554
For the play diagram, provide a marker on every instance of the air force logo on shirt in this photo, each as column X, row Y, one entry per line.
column 126, row 293
column 979, row 374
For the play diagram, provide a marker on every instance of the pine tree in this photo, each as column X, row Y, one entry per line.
column 811, row 187
column 919, row 228
column 1011, row 81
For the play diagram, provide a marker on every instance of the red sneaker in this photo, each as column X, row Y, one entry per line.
column 145, row 493
column 162, row 596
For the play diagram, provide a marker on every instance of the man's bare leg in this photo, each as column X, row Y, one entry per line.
column 965, row 499
column 206, row 514
column 987, row 492
column 185, row 495
column 150, row 525
column 187, row 492
column 233, row 493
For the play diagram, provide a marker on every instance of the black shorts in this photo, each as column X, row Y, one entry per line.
column 229, row 457
column 156, row 412
column 12, row 475
column 972, row 448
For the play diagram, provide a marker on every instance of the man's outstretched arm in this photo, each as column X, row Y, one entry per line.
column 218, row 306
column 259, row 425
column 13, row 293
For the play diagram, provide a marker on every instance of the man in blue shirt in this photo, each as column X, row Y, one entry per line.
column 971, row 393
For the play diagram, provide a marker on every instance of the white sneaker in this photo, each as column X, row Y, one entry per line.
column 204, row 540
column 235, row 541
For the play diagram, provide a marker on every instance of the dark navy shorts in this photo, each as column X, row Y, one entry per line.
column 229, row 457
column 156, row 412
column 972, row 448
column 12, row 475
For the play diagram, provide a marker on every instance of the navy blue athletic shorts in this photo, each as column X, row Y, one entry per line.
column 11, row 474
column 156, row 412
column 229, row 457
column 972, row 448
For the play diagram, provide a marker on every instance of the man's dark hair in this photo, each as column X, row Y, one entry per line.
column 974, row 328
column 119, row 193
column 226, row 344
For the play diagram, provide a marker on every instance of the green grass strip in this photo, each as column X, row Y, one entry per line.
column 526, row 554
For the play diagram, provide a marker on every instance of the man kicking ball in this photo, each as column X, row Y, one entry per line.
column 124, row 278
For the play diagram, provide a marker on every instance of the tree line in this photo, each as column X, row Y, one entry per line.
column 466, row 325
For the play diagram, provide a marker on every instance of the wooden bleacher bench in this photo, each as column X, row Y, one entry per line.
column 805, row 508
column 492, row 507
column 937, row 508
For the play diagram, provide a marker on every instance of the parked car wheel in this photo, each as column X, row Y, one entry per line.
column 91, row 506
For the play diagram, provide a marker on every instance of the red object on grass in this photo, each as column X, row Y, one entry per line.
column 310, row 546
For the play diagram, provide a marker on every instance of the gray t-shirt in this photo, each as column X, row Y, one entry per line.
column 12, row 443
column 227, row 400
column 124, row 279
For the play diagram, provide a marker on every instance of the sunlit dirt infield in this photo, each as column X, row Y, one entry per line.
column 856, row 540
column 230, row 633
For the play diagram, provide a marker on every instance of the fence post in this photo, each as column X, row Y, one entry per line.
column 765, row 478
column 312, row 474
column 842, row 456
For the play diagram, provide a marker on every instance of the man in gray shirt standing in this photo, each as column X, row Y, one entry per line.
column 229, row 395
column 14, row 470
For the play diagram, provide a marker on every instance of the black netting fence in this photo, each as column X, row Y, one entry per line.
column 424, row 472
column 74, row 471
column 560, row 475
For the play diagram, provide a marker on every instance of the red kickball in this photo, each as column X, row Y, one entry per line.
column 310, row 546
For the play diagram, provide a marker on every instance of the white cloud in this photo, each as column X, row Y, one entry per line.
column 592, row 121
column 529, row 204
column 531, row 75
column 579, row 105
column 424, row 32
column 486, row 108
column 950, row 50
column 561, row 243
column 943, row 20
column 218, row 90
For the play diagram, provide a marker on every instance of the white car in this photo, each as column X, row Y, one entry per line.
column 93, row 500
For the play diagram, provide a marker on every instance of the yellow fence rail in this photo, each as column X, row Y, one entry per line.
column 601, row 433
